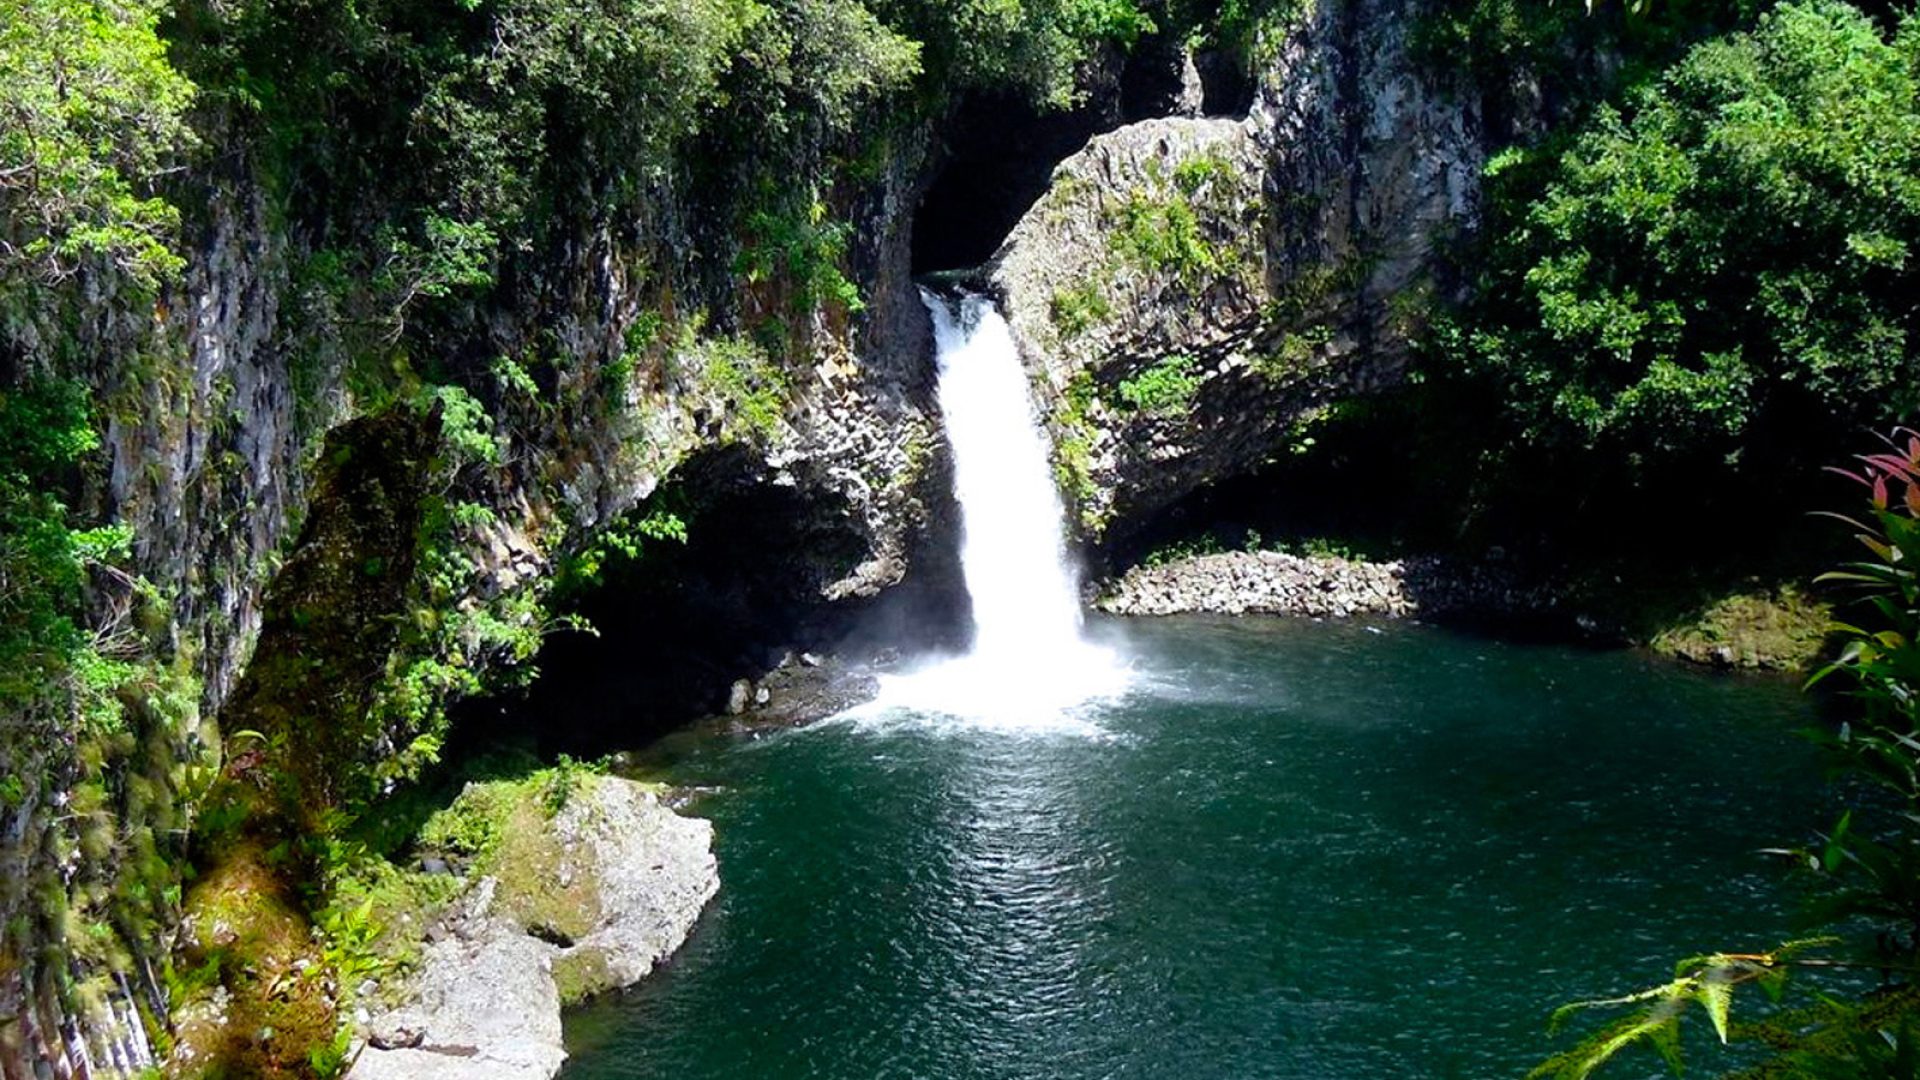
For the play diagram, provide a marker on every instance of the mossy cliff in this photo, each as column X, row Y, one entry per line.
column 403, row 317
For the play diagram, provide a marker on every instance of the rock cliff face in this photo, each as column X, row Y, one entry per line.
column 1190, row 290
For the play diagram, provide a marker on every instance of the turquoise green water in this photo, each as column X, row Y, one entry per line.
column 1299, row 851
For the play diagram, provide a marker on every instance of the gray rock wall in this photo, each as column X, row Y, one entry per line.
column 1273, row 262
column 215, row 403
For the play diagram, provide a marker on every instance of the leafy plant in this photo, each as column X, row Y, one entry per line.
column 751, row 385
column 1168, row 386
column 95, row 115
column 802, row 250
column 1629, row 304
column 1187, row 548
column 1706, row 981
column 1865, row 875
column 1080, row 308
column 622, row 542
column 1884, row 661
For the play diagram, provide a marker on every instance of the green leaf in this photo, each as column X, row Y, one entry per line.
column 1836, row 848
column 1716, row 996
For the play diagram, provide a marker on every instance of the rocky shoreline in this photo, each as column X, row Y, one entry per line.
column 1277, row 583
column 485, row 1000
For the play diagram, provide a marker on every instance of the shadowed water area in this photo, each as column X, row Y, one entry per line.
column 1290, row 850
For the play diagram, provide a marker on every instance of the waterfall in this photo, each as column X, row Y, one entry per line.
column 1026, row 599
column 1028, row 658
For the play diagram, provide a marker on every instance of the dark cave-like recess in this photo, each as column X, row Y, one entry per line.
column 1000, row 154
column 1000, row 151
column 672, row 631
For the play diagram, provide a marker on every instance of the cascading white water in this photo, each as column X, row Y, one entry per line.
column 1028, row 660
column 1026, row 604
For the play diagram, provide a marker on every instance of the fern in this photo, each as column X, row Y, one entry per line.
column 1707, row 981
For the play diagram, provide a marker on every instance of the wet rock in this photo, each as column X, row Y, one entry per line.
column 739, row 696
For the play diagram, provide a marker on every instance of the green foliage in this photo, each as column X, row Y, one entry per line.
column 455, row 640
column 738, row 371
column 1074, row 432
column 56, row 670
column 95, row 114
column 452, row 108
column 1654, row 1019
column 1166, row 387
column 331, row 1059
column 1320, row 547
column 465, row 425
column 1725, row 256
column 1035, row 47
column 1294, row 353
column 623, row 543
column 1160, row 231
column 1194, row 175
column 828, row 58
column 804, row 251
column 1162, row 225
column 44, row 431
column 1080, row 308
column 567, row 778
column 444, row 256
column 1192, row 547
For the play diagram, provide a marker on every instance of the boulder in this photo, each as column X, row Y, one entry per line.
column 485, row 1001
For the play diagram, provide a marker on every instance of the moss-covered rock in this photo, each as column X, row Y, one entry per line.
column 581, row 884
column 582, row 972
column 259, row 995
column 1777, row 629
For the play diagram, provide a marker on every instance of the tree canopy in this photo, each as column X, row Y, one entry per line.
column 1728, row 256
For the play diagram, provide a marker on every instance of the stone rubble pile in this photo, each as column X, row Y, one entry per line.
column 1277, row 583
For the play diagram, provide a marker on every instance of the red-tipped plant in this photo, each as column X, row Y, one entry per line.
column 1883, row 657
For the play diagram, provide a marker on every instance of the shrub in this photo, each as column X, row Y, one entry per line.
column 1166, row 387
column 1728, row 254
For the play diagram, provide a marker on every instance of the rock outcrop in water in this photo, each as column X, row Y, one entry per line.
column 485, row 1002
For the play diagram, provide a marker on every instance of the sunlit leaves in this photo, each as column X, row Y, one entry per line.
column 1655, row 1015
column 94, row 115
column 1727, row 249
